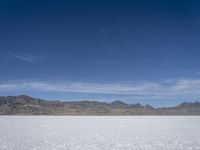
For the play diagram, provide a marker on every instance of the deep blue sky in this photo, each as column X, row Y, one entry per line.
column 135, row 51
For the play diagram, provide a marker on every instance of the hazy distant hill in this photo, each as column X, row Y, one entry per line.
column 25, row 105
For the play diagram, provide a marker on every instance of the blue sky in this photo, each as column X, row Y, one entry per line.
column 134, row 51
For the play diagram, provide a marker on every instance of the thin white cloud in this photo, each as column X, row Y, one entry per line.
column 9, row 87
column 80, row 87
column 105, row 30
column 108, row 29
column 108, row 62
column 124, row 29
column 175, row 89
column 25, row 58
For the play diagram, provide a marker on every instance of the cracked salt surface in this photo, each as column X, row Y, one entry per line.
column 99, row 133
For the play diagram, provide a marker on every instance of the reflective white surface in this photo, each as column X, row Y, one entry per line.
column 99, row 133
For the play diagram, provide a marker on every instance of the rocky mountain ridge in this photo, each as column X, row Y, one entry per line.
column 26, row 105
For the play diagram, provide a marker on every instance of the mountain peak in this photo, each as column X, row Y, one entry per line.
column 118, row 103
column 24, row 96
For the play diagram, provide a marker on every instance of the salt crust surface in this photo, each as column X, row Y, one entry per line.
column 99, row 133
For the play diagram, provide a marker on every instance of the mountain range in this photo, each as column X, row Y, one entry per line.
column 26, row 105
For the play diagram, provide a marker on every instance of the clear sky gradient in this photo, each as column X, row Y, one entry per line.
column 134, row 51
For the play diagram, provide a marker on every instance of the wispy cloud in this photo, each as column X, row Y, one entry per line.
column 25, row 58
column 117, row 30
column 124, row 29
column 108, row 62
column 188, row 88
column 104, row 30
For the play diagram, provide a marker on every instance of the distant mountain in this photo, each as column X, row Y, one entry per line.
column 26, row 105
